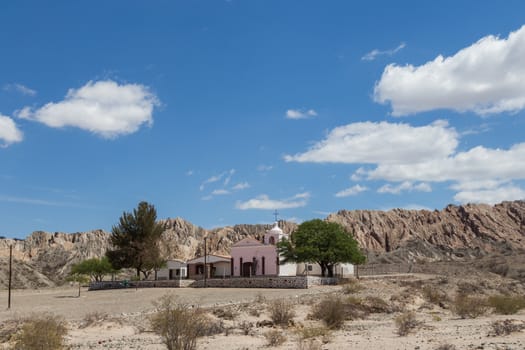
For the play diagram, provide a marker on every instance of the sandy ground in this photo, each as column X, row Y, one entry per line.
column 122, row 316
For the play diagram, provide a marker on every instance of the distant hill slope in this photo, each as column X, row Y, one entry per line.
column 470, row 230
column 454, row 233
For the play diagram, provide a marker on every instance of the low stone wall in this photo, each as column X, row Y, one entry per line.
column 140, row 284
column 288, row 282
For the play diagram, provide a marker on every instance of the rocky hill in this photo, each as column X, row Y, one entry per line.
column 454, row 233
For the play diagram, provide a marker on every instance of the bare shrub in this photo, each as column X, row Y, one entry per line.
column 406, row 323
column 274, row 337
column 281, row 312
column 309, row 344
column 505, row 327
column 330, row 310
column 466, row 306
column 313, row 332
column 246, row 327
column 446, row 347
column 227, row 313
column 259, row 298
column 351, row 287
column 178, row 324
column 467, row 288
column 434, row 295
column 505, row 304
column 43, row 331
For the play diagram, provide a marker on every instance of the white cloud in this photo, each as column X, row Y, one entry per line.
column 476, row 164
column 241, row 186
column 300, row 114
column 9, row 132
column 105, row 108
column 227, row 175
column 228, row 178
column 220, row 192
column 372, row 55
column 405, row 186
column 189, row 173
column 264, row 202
column 264, row 168
column 24, row 90
column 487, row 77
column 352, row 191
column 415, row 157
column 490, row 196
column 387, row 143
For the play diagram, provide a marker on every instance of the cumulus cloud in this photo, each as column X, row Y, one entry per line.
column 300, row 114
column 404, row 187
column 105, row 108
column 352, row 191
column 9, row 132
column 24, row 90
column 264, row 202
column 413, row 157
column 487, row 77
column 491, row 196
column 386, row 143
column 372, row 55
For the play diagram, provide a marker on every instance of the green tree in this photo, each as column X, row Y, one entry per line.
column 95, row 268
column 135, row 240
column 325, row 243
column 78, row 278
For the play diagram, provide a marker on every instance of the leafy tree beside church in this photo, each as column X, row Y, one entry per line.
column 135, row 240
column 325, row 243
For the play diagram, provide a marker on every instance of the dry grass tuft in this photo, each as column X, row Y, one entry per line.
column 506, row 304
column 466, row 306
column 178, row 324
column 505, row 327
column 274, row 337
column 281, row 312
column 38, row 332
column 406, row 323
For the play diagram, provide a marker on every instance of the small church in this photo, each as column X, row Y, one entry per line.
column 250, row 257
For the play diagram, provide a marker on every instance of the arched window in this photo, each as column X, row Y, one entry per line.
column 272, row 240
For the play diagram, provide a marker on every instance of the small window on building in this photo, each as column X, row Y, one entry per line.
column 177, row 272
column 310, row 267
column 272, row 240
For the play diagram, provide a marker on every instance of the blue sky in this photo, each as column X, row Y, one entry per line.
column 221, row 112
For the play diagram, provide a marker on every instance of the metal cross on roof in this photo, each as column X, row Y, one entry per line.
column 276, row 213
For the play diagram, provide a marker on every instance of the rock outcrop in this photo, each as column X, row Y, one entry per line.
column 454, row 233
column 470, row 230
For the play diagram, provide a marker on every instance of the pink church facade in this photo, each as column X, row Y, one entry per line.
column 253, row 258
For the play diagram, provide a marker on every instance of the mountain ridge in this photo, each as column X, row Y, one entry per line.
column 398, row 235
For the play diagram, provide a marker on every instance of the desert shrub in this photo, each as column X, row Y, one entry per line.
column 178, row 324
column 259, row 298
column 351, row 287
column 308, row 344
column 406, row 323
column 281, row 312
column 227, row 313
column 39, row 332
column 330, row 310
column 246, row 327
column 505, row 304
column 313, row 332
column 469, row 288
column 434, row 295
column 446, row 347
column 211, row 327
column 505, row 327
column 274, row 337
column 466, row 306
